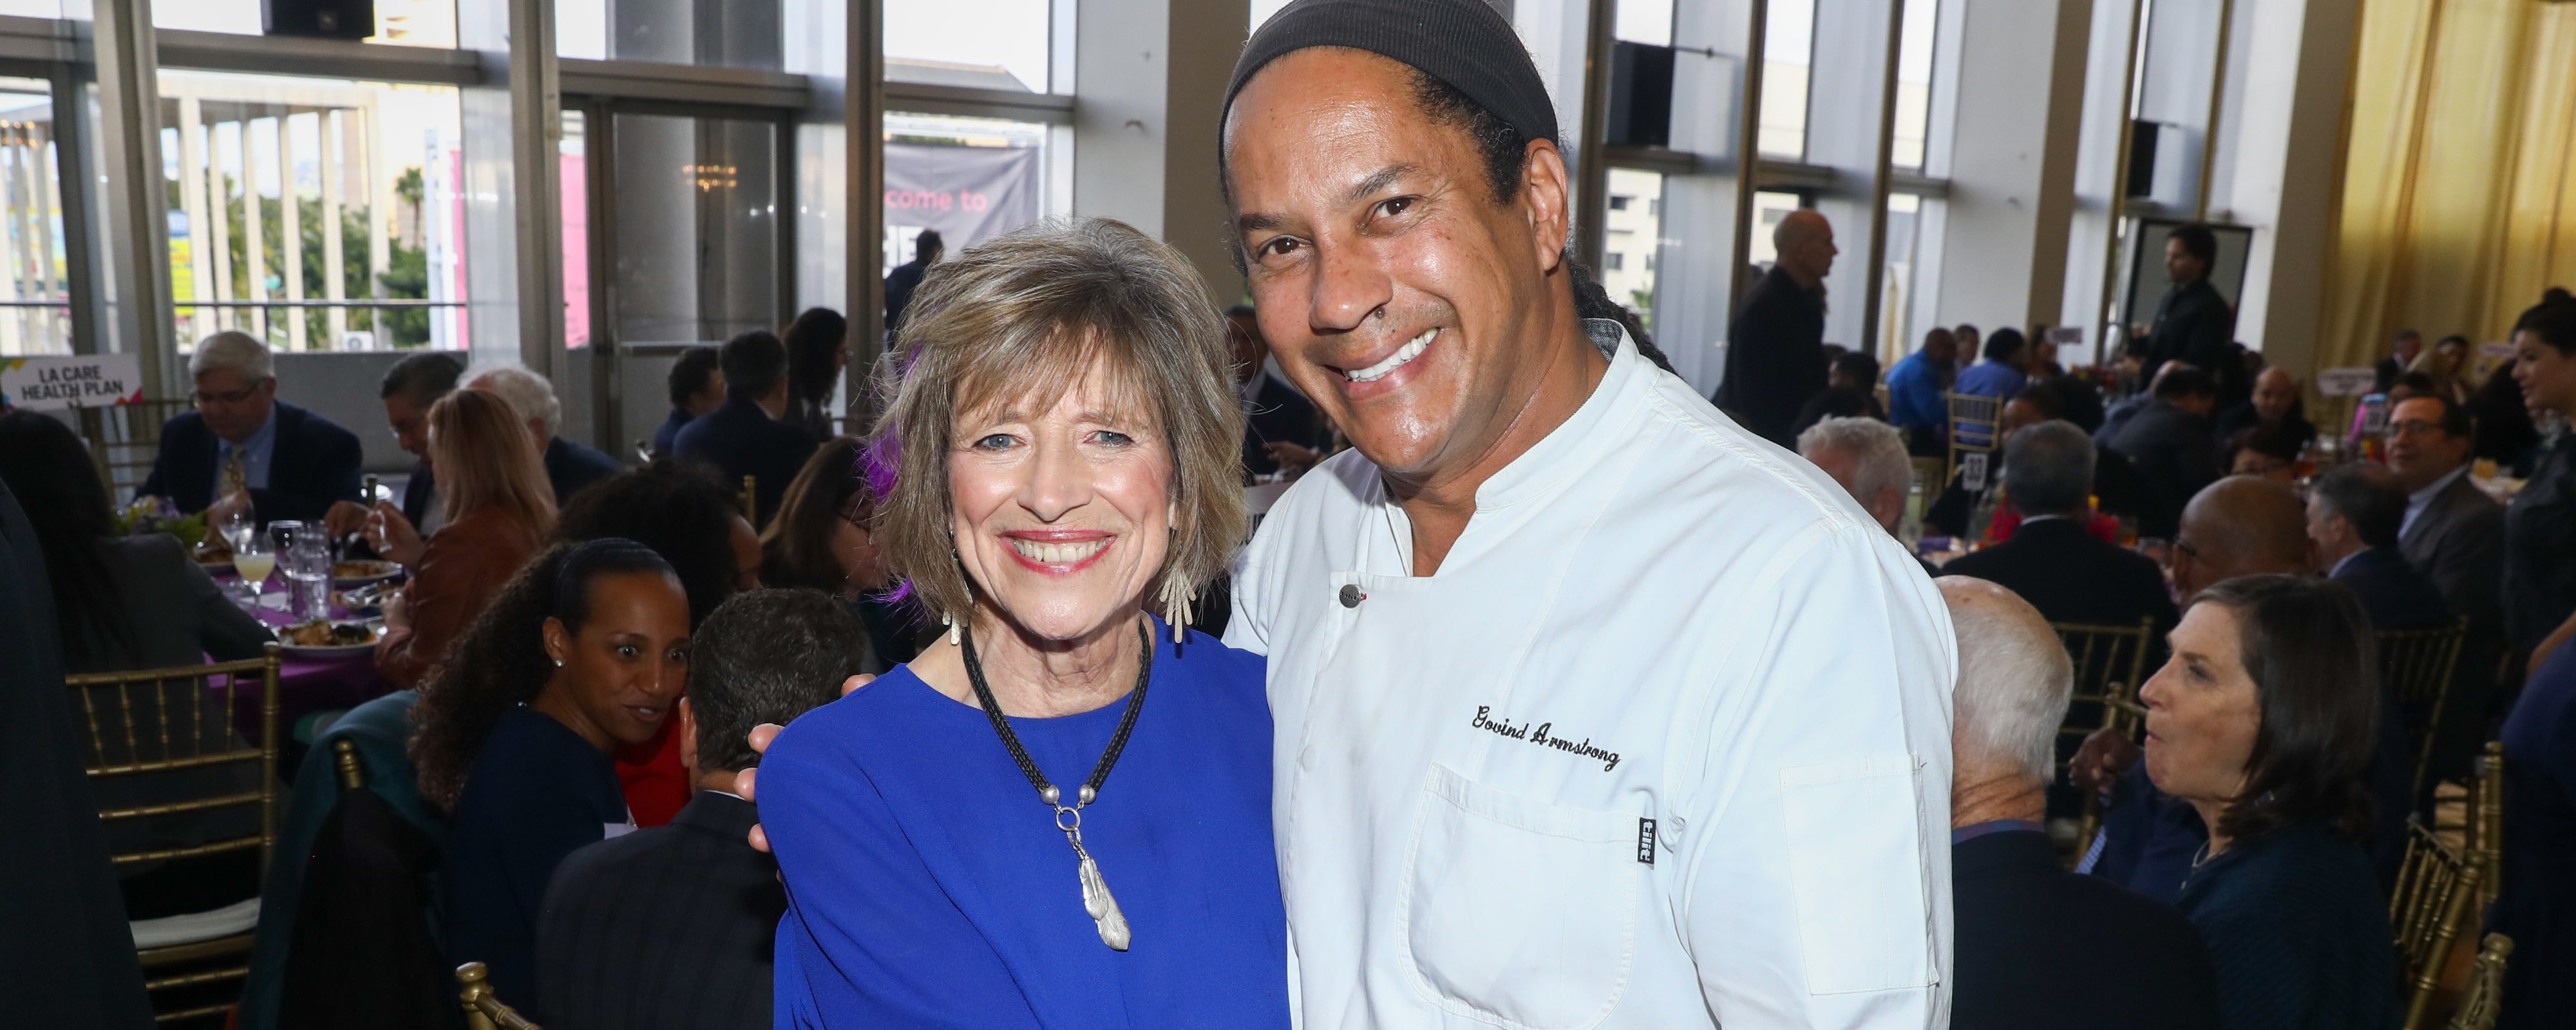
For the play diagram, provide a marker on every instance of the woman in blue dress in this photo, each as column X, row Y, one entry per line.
column 1058, row 815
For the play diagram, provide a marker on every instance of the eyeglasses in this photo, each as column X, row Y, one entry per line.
column 204, row 397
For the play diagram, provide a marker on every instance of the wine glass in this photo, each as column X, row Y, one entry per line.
column 239, row 526
column 254, row 559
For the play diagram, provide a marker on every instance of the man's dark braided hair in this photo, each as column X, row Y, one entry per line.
column 1506, row 150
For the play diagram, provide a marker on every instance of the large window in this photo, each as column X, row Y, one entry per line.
column 734, row 34
column 989, row 44
column 1788, row 48
column 1632, row 239
column 35, row 291
column 1914, row 82
column 315, row 214
column 1769, row 207
column 969, row 178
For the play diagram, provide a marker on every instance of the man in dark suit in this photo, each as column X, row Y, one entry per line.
column 2168, row 441
column 906, row 277
column 244, row 446
column 2452, row 530
column 2409, row 343
column 671, row 926
column 2353, row 516
column 696, row 387
column 409, row 388
column 2193, row 321
column 1281, row 428
column 570, row 464
column 1775, row 351
column 2037, row 946
column 744, row 437
column 2069, row 574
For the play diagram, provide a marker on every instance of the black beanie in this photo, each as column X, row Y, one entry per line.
column 1465, row 43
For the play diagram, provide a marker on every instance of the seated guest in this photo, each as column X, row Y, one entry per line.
column 137, row 602
column 2452, row 530
column 2116, row 489
column 2256, row 723
column 243, row 446
column 2117, row 416
column 569, row 465
column 587, row 648
column 821, row 540
column 1914, row 388
column 690, row 520
column 2239, row 526
column 2353, row 515
column 2035, row 945
column 2408, row 344
column 1851, row 391
column 120, row 602
column 2448, row 365
column 1281, row 429
column 2067, row 573
column 2269, row 449
column 2001, row 375
column 2168, row 441
column 495, row 510
column 743, row 437
column 696, row 386
column 409, row 388
column 672, row 926
column 2536, row 905
column 815, row 358
column 2276, row 402
column 1867, row 458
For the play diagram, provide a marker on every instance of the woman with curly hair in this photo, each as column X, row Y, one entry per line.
column 586, row 650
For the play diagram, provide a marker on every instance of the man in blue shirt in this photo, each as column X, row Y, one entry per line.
column 2002, row 375
column 1914, row 387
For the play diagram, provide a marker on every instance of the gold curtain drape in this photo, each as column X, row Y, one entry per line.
column 2458, row 202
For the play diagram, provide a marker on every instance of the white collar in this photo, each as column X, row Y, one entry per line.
column 2434, row 489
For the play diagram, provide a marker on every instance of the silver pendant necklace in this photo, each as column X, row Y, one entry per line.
column 1096, row 899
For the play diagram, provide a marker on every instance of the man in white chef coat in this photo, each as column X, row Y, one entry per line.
column 1594, row 709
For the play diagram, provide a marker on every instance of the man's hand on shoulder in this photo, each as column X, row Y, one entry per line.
column 761, row 735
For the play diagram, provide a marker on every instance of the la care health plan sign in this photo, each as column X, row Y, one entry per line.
column 75, row 381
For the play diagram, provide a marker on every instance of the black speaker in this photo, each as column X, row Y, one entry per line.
column 318, row 19
column 1641, row 96
column 2142, row 156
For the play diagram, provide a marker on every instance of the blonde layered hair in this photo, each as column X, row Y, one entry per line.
column 483, row 456
column 1024, row 318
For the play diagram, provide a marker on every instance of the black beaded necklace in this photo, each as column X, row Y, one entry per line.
column 1096, row 899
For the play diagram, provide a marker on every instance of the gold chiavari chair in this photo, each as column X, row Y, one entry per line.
column 2436, row 893
column 2417, row 665
column 2480, row 1003
column 1976, row 427
column 164, row 743
column 482, row 1010
column 2109, row 663
column 2485, row 835
column 345, row 765
column 749, row 499
column 125, row 439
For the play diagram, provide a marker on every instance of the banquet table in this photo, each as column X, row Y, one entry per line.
column 307, row 685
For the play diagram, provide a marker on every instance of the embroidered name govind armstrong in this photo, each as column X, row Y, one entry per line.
column 1538, row 734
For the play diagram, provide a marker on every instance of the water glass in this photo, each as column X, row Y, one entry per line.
column 304, row 554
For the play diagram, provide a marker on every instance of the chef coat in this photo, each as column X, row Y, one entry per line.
column 1665, row 742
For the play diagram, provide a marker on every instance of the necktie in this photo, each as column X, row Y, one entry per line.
column 235, row 478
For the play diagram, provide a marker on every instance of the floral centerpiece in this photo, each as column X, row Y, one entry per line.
column 148, row 515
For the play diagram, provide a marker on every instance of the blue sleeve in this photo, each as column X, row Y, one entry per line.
column 870, row 936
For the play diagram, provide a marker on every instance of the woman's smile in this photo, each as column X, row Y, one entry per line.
column 1058, row 552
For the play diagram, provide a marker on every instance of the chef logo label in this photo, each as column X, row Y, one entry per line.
column 1542, row 734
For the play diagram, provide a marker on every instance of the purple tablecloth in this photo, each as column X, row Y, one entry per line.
column 307, row 684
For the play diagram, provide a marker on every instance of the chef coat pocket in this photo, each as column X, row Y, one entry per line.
column 1856, row 860
column 1519, row 913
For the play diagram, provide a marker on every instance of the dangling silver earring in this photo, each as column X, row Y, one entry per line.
column 1176, row 606
column 954, row 633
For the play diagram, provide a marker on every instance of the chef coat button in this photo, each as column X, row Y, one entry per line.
column 1351, row 595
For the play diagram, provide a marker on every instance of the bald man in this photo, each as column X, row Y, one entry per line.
column 2276, row 402
column 1775, row 351
column 2238, row 526
column 2035, row 942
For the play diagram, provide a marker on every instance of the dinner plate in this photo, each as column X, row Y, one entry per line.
column 381, row 571
column 330, row 650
